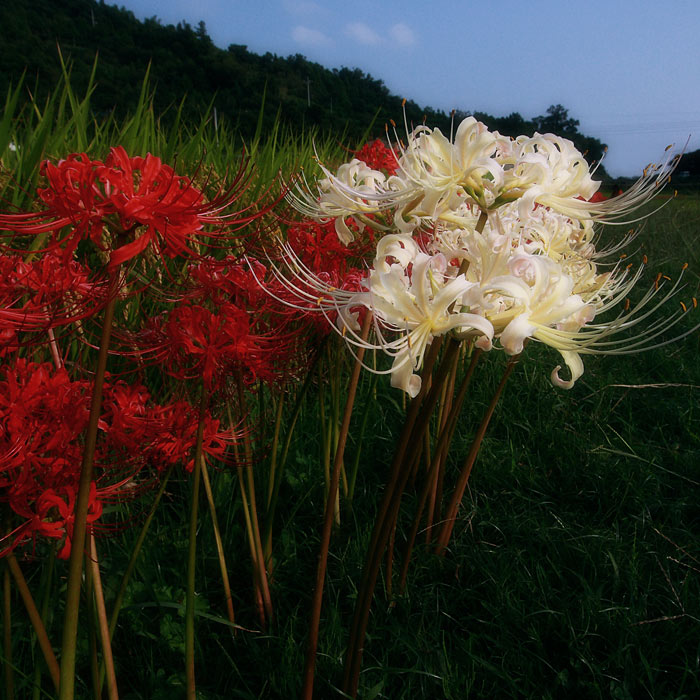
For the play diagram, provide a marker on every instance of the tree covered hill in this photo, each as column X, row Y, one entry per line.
column 185, row 61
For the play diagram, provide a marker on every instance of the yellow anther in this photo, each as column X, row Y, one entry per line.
column 403, row 102
column 628, row 267
column 695, row 303
column 666, row 277
column 684, row 307
column 627, row 304
column 668, row 148
column 645, row 260
column 623, row 256
column 685, row 266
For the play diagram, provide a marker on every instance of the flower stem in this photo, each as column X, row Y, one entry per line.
column 451, row 514
column 7, row 635
column 192, row 553
column 45, row 600
column 317, row 602
column 34, row 618
column 438, row 461
column 112, row 691
column 272, row 501
column 259, row 557
column 75, row 564
column 116, row 608
column 219, row 543
column 416, row 420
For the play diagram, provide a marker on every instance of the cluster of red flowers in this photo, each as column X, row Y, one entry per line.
column 44, row 293
column 123, row 205
column 378, row 156
column 43, row 414
column 221, row 318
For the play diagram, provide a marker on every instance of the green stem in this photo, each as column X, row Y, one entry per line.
column 273, row 452
column 352, row 476
column 119, row 599
column 272, row 506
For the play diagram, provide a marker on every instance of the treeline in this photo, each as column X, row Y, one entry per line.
column 185, row 62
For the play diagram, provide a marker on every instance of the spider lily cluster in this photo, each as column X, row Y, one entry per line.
column 488, row 237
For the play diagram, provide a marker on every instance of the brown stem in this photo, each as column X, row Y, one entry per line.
column 7, row 636
column 438, row 461
column 451, row 514
column 250, row 482
column 34, row 618
column 192, row 552
column 82, row 504
column 416, row 421
column 92, row 630
column 112, row 691
column 219, row 543
column 317, row 601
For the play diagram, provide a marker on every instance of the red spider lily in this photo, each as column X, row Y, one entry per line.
column 378, row 156
column 229, row 280
column 317, row 246
column 176, row 437
column 316, row 261
column 44, row 293
column 131, row 197
column 208, row 344
column 43, row 414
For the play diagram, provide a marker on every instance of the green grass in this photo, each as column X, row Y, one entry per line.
column 574, row 570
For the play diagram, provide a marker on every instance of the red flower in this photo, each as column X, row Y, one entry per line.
column 44, row 293
column 378, row 156
column 211, row 344
column 137, row 198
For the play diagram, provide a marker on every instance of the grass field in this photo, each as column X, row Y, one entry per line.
column 574, row 570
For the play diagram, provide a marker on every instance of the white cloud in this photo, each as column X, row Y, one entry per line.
column 310, row 37
column 402, row 34
column 362, row 33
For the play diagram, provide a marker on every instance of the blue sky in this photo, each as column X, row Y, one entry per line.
column 628, row 70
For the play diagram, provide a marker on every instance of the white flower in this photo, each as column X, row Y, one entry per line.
column 445, row 171
column 547, row 170
column 413, row 294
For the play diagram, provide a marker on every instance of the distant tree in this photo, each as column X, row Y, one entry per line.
column 557, row 121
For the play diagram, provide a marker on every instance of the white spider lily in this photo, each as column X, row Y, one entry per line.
column 411, row 294
column 547, row 170
column 354, row 190
column 442, row 169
